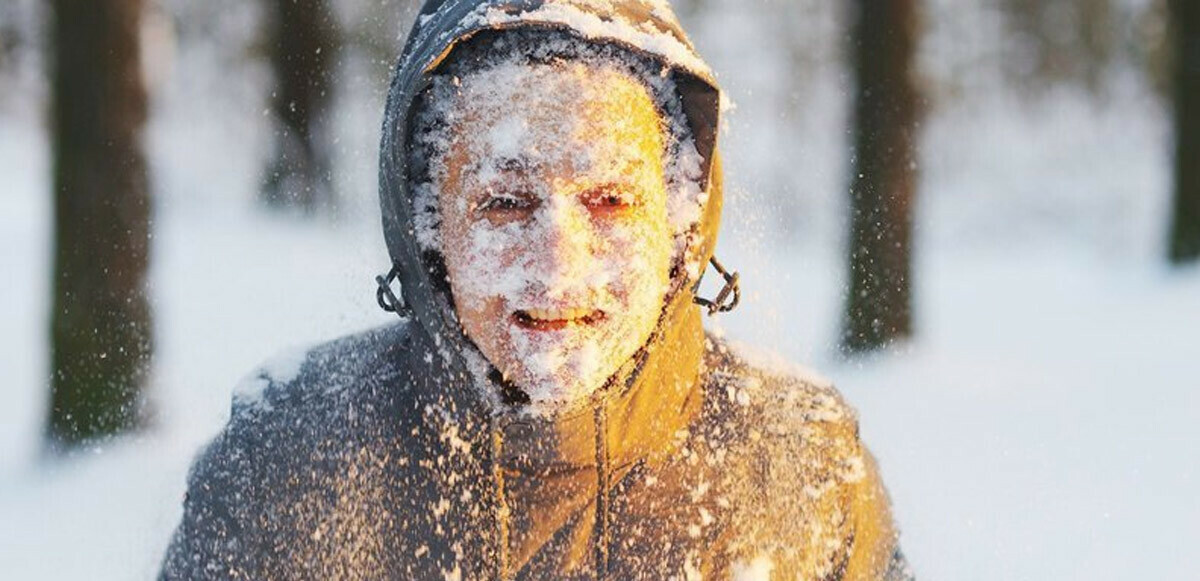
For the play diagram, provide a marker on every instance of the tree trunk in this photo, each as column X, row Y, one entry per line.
column 879, row 305
column 10, row 35
column 1066, row 41
column 302, row 47
column 1185, row 228
column 100, row 329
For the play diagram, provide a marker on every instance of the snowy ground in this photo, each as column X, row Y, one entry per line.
column 1043, row 424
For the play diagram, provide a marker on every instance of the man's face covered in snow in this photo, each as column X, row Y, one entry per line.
column 554, row 222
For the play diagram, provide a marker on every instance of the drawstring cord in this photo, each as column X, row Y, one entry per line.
column 499, row 501
column 387, row 298
column 729, row 296
column 500, row 510
column 602, row 477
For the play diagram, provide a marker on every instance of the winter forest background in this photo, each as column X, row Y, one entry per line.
column 1040, row 421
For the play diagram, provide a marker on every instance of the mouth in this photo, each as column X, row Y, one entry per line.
column 556, row 319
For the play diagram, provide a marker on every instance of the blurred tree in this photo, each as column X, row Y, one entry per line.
column 101, row 331
column 1067, row 40
column 883, row 185
column 371, row 35
column 9, row 34
column 303, row 41
column 1152, row 45
column 1185, row 230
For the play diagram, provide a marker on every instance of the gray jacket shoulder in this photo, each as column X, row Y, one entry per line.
column 291, row 421
column 305, row 379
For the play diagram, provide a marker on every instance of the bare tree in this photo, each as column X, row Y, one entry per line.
column 1185, row 228
column 302, row 46
column 10, row 34
column 1072, row 41
column 101, row 331
column 883, row 183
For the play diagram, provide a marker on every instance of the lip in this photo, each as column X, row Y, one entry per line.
column 556, row 319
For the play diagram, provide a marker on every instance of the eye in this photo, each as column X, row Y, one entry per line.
column 608, row 198
column 505, row 207
column 503, row 203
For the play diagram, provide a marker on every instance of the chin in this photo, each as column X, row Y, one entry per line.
column 559, row 390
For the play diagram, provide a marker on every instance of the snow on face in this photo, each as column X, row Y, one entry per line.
column 554, row 222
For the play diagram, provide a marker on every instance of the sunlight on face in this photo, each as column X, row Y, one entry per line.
column 554, row 223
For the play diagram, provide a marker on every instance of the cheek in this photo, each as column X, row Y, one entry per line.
column 483, row 321
column 487, row 266
column 641, row 253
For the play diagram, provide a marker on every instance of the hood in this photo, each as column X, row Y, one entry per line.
column 643, row 26
column 653, row 395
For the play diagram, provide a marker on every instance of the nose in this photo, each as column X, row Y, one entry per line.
column 568, row 242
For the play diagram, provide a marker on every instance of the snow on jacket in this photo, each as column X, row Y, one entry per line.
column 379, row 457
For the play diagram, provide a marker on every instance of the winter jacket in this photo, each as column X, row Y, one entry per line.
column 379, row 457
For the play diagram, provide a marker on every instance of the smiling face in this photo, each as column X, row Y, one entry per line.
column 554, row 222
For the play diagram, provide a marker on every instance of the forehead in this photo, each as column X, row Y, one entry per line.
column 518, row 115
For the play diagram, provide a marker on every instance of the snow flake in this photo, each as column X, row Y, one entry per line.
column 757, row 569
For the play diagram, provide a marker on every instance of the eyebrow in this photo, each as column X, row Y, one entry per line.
column 523, row 165
column 520, row 165
column 514, row 164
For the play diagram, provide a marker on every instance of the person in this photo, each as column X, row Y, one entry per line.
column 549, row 406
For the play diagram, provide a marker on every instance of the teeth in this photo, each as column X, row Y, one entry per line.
column 559, row 314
